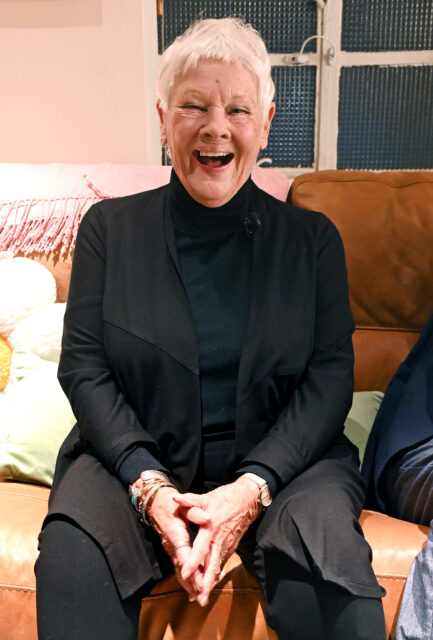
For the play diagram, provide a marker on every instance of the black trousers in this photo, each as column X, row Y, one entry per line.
column 77, row 598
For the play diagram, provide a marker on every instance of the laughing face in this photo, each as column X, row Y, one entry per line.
column 214, row 129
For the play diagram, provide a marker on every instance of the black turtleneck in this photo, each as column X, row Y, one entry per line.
column 214, row 255
column 214, row 250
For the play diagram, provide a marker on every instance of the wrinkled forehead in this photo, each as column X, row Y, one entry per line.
column 227, row 80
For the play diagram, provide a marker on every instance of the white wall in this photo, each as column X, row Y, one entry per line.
column 72, row 81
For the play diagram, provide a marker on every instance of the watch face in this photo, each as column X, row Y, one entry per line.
column 265, row 496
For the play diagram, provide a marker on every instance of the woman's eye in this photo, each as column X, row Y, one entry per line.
column 194, row 106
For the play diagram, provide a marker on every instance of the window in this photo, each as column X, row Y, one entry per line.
column 360, row 96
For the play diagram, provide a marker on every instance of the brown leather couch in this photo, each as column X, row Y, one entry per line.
column 386, row 221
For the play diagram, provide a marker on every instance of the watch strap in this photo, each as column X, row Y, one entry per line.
column 265, row 497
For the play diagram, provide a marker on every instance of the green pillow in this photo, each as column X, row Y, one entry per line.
column 361, row 417
column 35, row 418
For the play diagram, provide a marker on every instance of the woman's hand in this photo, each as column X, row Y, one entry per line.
column 168, row 520
column 230, row 509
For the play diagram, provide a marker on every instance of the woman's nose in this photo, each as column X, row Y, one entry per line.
column 215, row 125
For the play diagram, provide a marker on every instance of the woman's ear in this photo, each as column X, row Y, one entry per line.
column 267, row 126
column 162, row 130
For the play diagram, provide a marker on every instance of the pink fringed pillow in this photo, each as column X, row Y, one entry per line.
column 42, row 205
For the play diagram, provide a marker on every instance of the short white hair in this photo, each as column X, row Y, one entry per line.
column 226, row 39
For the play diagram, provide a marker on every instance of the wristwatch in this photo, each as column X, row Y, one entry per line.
column 265, row 497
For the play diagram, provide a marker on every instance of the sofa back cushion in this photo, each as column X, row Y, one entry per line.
column 386, row 222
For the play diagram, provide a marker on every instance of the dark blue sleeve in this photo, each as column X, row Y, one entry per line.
column 136, row 461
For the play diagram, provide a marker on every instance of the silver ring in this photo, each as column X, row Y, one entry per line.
column 179, row 546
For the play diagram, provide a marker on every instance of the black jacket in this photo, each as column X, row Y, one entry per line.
column 129, row 363
column 405, row 416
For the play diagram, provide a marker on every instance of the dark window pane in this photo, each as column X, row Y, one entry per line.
column 386, row 117
column 283, row 24
column 387, row 25
column 291, row 140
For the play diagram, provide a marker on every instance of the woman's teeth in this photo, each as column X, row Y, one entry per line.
column 214, row 158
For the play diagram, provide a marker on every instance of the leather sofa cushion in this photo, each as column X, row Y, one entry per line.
column 22, row 509
column 386, row 224
column 378, row 353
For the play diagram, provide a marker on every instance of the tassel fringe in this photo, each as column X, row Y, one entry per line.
column 43, row 226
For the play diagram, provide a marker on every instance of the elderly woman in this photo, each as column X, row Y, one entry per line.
column 207, row 357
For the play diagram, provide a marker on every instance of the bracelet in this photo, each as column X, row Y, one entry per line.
column 143, row 495
column 147, row 502
column 148, row 488
column 149, row 494
column 144, row 486
column 134, row 496
column 150, row 476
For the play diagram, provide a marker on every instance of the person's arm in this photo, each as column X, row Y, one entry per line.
column 315, row 413
column 105, row 419
column 135, row 462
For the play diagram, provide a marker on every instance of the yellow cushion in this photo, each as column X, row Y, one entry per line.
column 5, row 362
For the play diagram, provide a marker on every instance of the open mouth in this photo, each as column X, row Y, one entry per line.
column 213, row 159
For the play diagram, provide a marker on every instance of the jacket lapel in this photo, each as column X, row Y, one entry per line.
column 148, row 298
column 261, row 302
column 280, row 329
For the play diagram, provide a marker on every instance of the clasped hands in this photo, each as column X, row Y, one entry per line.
column 222, row 516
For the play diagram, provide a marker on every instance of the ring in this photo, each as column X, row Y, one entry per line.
column 179, row 546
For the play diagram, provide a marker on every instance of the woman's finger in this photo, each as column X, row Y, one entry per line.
column 199, row 550
column 196, row 515
column 189, row 500
column 192, row 508
column 211, row 575
column 193, row 585
column 181, row 548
